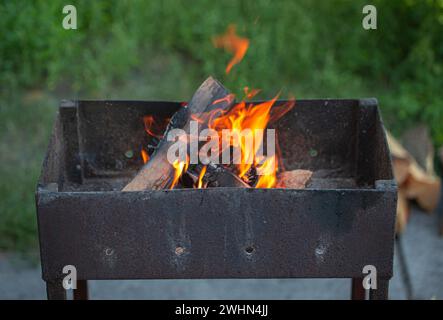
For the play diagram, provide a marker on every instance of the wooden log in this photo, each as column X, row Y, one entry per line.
column 216, row 176
column 414, row 182
column 189, row 179
column 157, row 173
column 422, row 187
column 417, row 141
column 294, row 179
column 401, row 169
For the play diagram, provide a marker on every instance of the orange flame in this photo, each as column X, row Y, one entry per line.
column 232, row 43
column 268, row 179
column 250, row 93
column 145, row 156
column 180, row 167
column 200, row 178
column 228, row 99
column 255, row 118
column 153, row 127
column 243, row 116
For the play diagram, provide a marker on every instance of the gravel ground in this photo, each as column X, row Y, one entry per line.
column 422, row 245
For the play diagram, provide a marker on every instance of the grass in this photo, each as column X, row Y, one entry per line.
column 25, row 124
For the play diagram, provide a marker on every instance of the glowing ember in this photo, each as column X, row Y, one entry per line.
column 232, row 43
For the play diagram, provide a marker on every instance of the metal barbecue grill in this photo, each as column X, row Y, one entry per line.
column 341, row 222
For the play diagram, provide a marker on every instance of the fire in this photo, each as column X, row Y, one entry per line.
column 242, row 117
column 200, row 178
column 255, row 118
column 232, row 43
column 145, row 156
column 250, row 93
column 154, row 127
column 229, row 98
column 180, row 167
column 268, row 179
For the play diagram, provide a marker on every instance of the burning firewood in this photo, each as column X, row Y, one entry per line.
column 238, row 130
column 217, row 176
column 157, row 172
column 214, row 176
column 295, row 179
column 418, row 142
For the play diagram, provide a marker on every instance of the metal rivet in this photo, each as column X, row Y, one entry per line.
column 313, row 153
column 129, row 154
column 179, row 251
column 249, row 250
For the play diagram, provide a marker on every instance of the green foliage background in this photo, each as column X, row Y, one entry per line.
column 151, row 49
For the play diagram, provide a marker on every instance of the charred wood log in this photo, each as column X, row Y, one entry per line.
column 215, row 176
column 157, row 173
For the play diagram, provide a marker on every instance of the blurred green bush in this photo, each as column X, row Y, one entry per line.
column 163, row 49
column 312, row 48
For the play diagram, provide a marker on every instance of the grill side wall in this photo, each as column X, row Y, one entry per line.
column 207, row 233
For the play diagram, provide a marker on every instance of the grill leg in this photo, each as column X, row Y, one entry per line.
column 381, row 293
column 55, row 290
column 81, row 293
column 357, row 290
